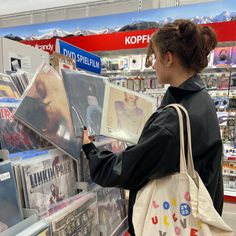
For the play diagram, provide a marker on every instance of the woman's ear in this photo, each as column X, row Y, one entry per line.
column 169, row 59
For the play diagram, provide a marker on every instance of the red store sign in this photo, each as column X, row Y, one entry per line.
column 226, row 31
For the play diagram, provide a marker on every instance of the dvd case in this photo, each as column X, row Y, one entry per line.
column 86, row 94
column 14, row 136
column 45, row 110
column 48, row 180
column 125, row 113
column 10, row 213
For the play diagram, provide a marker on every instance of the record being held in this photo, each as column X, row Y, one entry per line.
column 14, row 136
column 45, row 109
column 222, row 57
column 10, row 213
column 48, row 180
column 86, row 94
column 7, row 87
column 125, row 113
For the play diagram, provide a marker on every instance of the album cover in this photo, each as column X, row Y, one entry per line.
column 45, row 110
column 86, row 95
column 223, row 81
column 233, row 80
column 135, row 62
column 130, row 84
column 19, row 185
column 10, row 213
column 113, row 64
column 21, row 79
column 222, row 56
column 48, row 180
column 221, row 102
column 125, row 113
column 136, row 84
column 233, row 63
column 111, row 209
column 59, row 62
column 210, row 81
column 14, row 136
column 7, row 87
column 123, row 63
column 79, row 218
column 222, row 117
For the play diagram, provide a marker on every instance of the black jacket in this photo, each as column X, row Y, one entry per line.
column 157, row 152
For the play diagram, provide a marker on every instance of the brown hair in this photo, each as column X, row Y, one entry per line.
column 191, row 43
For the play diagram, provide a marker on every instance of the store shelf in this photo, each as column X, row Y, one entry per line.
column 230, row 159
column 218, row 69
column 230, row 175
column 129, row 73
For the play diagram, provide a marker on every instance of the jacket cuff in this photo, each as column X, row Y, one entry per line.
column 87, row 148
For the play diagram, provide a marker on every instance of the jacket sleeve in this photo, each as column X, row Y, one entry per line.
column 155, row 155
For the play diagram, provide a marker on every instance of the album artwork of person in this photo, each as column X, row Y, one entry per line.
column 222, row 56
column 86, row 95
column 127, row 113
column 234, row 57
column 45, row 109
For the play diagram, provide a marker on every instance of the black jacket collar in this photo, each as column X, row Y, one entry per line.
column 176, row 94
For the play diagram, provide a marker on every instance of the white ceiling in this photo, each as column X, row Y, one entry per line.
column 9, row 7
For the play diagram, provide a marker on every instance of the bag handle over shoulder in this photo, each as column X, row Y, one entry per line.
column 189, row 168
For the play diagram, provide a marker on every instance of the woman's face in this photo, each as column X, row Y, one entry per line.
column 162, row 71
column 130, row 97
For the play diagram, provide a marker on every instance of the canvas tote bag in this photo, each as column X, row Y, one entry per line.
column 178, row 204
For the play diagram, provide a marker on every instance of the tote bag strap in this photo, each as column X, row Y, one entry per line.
column 183, row 166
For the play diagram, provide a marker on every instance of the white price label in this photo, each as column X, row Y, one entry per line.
column 5, row 176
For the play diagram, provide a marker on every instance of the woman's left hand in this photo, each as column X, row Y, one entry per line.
column 86, row 138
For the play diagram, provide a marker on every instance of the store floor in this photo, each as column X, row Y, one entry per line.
column 229, row 215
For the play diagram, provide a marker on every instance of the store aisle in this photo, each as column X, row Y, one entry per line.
column 229, row 215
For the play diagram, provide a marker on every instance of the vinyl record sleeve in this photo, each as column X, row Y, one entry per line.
column 48, row 180
column 10, row 213
column 111, row 209
column 85, row 93
column 80, row 218
column 125, row 113
column 14, row 136
column 45, row 109
column 7, row 87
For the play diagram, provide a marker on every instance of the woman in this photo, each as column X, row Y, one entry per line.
column 180, row 52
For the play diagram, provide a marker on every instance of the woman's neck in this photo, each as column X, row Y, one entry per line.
column 180, row 77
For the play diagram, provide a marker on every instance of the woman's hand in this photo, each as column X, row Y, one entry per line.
column 86, row 138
